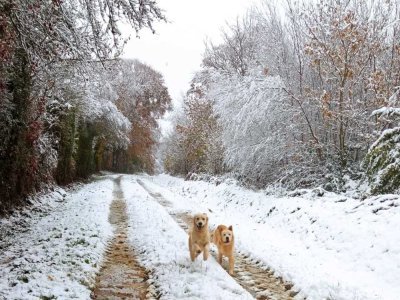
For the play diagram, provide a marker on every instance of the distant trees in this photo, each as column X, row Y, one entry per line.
column 292, row 88
column 55, row 102
column 113, row 117
column 143, row 98
column 237, row 53
column 195, row 146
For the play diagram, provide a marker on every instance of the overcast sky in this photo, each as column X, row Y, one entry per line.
column 176, row 48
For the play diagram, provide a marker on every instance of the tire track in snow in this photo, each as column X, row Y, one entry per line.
column 257, row 279
column 121, row 276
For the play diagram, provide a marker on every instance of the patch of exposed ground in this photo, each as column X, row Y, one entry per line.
column 259, row 280
column 121, row 276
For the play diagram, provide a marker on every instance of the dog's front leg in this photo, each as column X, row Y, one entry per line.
column 196, row 250
column 206, row 251
column 231, row 264
column 219, row 257
column 192, row 256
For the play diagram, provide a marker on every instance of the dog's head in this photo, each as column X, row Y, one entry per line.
column 227, row 235
column 200, row 221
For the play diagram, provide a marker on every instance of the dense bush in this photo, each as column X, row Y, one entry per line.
column 58, row 97
column 382, row 162
column 292, row 93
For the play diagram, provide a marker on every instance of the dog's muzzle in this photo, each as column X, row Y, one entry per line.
column 199, row 225
column 227, row 240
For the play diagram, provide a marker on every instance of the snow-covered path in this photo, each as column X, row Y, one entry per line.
column 121, row 276
column 257, row 279
column 162, row 247
column 107, row 240
column 123, row 236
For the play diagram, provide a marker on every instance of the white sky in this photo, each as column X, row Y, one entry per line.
column 176, row 48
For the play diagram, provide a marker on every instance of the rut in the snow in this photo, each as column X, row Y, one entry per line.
column 121, row 276
column 258, row 280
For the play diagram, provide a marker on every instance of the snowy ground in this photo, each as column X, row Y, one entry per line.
column 330, row 247
column 58, row 250
column 53, row 251
column 163, row 248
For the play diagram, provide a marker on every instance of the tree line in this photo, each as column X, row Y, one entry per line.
column 68, row 105
column 297, row 94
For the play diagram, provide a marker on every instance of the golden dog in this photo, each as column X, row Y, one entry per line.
column 224, row 240
column 199, row 237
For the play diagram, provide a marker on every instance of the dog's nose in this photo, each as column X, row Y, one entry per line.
column 200, row 223
column 227, row 239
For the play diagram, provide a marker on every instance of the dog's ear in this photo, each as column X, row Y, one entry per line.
column 230, row 228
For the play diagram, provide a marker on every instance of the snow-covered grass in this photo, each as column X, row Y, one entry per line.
column 53, row 250
column 330, row 247
column 163, row 248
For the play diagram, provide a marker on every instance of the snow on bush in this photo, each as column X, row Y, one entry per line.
column 259, row 125
column 382, row 162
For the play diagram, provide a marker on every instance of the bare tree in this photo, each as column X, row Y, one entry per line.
column 236, row 53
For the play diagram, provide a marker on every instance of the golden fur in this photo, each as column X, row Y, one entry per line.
column 224, row 240
column 199, row 237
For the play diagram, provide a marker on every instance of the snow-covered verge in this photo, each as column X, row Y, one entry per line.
column 162, row 247
column 330, row 247
column 52, row 250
